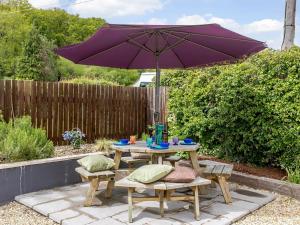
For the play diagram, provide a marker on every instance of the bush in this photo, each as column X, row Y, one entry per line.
column 248, row 112
column 20, row 141
column 104, row 145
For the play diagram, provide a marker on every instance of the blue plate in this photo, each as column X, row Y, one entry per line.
column 158, row 147
column 121, row 144
column 183, row 143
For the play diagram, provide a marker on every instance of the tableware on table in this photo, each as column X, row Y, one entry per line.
column 183, row 143
column 159, row 128
column 124, row 141
column 175, row 140
column 158, row 147
column 188, row 140
column 164, row 144
column 120, row 144
column 153, row 138
column 149, row 142
column 132, row 139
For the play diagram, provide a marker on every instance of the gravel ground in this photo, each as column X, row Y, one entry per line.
column 17, row 214
column 68, row 150
column 282, row 211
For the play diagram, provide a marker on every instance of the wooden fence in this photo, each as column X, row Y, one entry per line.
column 99, row 111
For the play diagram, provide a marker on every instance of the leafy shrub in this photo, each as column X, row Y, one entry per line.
column 247, row 112
column 20, row 141
column 104, row 145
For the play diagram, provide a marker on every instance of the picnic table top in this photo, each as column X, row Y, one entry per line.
column 141, row 147
column 161, row 185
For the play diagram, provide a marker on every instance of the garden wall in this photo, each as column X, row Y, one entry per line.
column 24, row 177
column 99, row 111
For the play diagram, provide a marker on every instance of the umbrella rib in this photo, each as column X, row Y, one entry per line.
column 173, row 51
column 203, row 46
column 107, row 49
column 138, row 52
column 214, row 36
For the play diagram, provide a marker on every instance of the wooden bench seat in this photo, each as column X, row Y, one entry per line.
column 130, row 161
column 94, row 179
column 172, row 159
column 163, row 192
column 219, row 173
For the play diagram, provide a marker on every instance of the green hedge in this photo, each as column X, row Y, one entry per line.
column 20, row 141
column 246, row 112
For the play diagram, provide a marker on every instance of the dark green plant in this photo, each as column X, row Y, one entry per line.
column 19, row 140
column 38, row 61
column 247, row 112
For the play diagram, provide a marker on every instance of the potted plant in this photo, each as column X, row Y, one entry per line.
column 75, row 137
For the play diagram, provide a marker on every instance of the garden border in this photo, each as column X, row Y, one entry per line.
column 278, row 186
column 35, row 175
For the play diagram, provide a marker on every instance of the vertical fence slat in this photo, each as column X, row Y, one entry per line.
column 2, row 94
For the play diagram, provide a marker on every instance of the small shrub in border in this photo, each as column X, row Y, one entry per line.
column 19, row 141
column 75, row 137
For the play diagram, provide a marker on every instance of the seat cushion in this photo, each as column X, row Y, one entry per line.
column 181, row 174
column 150, row 173
column 95, row 163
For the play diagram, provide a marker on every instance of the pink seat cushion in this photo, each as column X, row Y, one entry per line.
column 181, row 174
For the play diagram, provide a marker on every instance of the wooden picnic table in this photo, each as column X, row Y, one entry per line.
column 141, row 147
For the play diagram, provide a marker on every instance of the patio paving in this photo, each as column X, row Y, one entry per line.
column 64, row 205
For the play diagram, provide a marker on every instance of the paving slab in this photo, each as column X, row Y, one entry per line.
column 101, row 212
column 35, row 198
column 64, row 205
column 62, row 215
column 187, row 217
column 79, row 220
column 107, row 221
column 51, row 207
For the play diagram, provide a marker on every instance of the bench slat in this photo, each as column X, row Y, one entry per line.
column 85, row 173
column 159, row 185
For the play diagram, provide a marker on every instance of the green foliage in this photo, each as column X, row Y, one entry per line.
column 20, row 141
column 37, row 62
column 104, row 145
column 96, row 75
column 84, row 80
column 294, row 175
column 63, row 28
column 247, row 112
column 56, row 28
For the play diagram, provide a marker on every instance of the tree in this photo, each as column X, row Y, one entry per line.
column 289, row 24
column 38, row 61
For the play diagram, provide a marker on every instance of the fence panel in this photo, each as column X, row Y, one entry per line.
column 99, row 111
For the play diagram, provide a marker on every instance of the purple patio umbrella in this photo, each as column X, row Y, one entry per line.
column 161, row 46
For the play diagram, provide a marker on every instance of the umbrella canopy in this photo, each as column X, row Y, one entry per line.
column 161, row 46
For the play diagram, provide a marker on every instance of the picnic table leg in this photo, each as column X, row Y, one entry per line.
column 160, row 159
column 196, row 203
column 130, row 204
column 94, row 184
column 225, row 189
column 117, row 159
column 109, row 188
column 161, row 202
column 195, row 163
column 153, row 159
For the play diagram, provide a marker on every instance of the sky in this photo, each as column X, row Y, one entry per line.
column 259, row 19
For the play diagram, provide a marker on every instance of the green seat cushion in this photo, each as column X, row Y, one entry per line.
column 150, row 173
column 95, row 163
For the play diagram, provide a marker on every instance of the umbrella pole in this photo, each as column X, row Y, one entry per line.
column 157, row 91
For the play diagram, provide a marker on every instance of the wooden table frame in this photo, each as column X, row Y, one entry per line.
column 164, row 191
column 158, row 155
